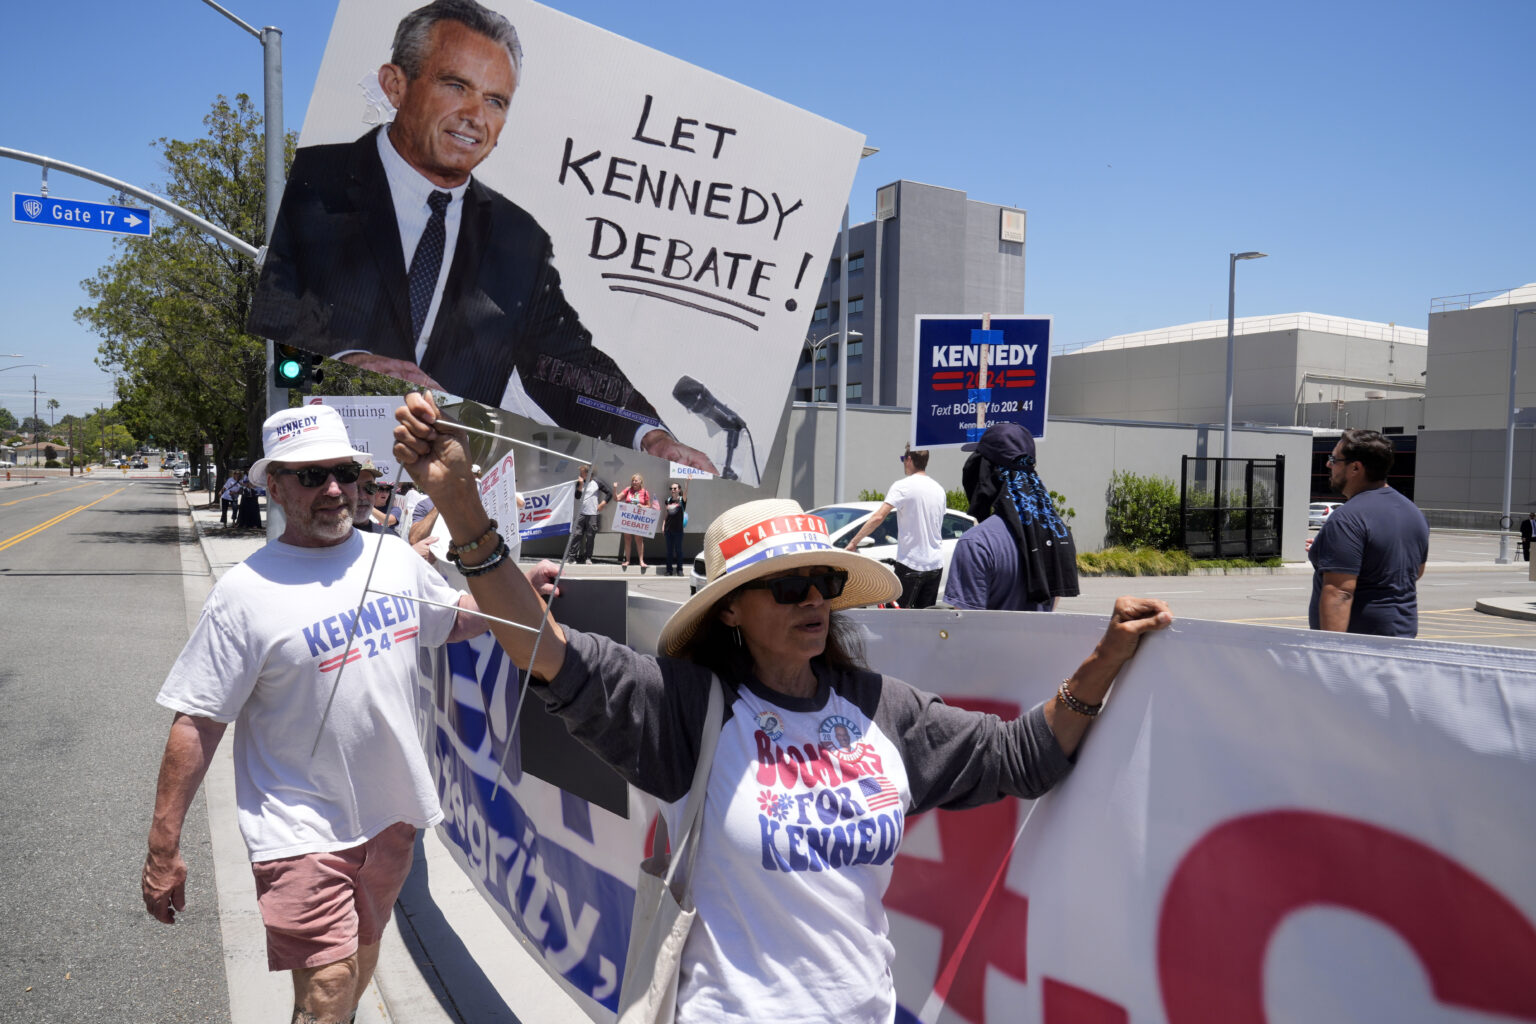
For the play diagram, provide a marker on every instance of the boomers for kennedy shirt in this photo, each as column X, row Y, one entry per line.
column 806, row 807
column 264, row 655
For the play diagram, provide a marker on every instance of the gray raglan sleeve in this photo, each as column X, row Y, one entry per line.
column 957, row 758
column 639, row 714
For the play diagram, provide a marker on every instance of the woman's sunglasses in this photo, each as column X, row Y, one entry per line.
column 794, row 589
column 316, row 476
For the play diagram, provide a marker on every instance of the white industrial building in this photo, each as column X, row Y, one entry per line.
column 1461, row 453
column 1295, row 369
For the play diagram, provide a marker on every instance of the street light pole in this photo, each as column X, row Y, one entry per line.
column 1232, row 258
column 821, row 343
column 1509, row 442
column 842, row 364
column 272, row 111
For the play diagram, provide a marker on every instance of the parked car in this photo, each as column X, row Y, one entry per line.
column 1317, row 512
column 844, row 520
column 180, row 469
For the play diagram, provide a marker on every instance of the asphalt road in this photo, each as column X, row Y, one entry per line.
column 1447, row 594
column 91, row 580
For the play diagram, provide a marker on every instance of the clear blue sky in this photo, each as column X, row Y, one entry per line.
column 1380, row 151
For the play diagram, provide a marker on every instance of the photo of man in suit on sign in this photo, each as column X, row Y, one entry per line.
column 389, row 254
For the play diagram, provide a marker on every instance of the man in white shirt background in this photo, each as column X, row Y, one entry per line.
column 918, row 501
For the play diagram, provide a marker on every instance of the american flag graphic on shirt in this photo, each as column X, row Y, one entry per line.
column 879, row 792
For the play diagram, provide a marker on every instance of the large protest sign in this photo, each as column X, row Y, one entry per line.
column 946, row 376
column 636, row 262
column 1266, row 824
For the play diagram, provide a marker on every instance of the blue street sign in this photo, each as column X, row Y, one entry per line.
column 76, row 213
column 946, row 376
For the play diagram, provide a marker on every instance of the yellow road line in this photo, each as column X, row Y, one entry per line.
column 49, row 494
column 40, row 527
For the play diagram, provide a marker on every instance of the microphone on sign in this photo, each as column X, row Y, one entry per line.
column 696, row 398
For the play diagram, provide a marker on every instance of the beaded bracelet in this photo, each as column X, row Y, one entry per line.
column 1073, row 704
column 456, row 549
column 480, row 569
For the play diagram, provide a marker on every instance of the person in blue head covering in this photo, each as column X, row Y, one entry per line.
column 1020, row 556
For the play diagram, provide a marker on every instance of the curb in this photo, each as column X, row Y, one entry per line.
column 1507, row 607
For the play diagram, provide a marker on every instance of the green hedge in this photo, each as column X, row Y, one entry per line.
column 1143, row 512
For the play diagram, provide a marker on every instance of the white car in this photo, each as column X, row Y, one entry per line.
column 1318, row 511
column 180, row 470
column 844, row 520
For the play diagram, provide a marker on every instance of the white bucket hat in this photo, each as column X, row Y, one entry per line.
column 310, row 433
column 764, row 537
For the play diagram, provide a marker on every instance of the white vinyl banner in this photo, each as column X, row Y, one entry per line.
column 1264, row 825
column 641, row 245
column 639, row 520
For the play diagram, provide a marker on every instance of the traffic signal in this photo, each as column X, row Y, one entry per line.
column 294, row 368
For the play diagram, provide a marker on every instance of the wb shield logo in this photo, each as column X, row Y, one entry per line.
column 32, row 208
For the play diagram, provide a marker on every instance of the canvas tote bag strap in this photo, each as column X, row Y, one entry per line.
column 688, row 825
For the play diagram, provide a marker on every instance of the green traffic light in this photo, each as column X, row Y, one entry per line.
column 289, row 369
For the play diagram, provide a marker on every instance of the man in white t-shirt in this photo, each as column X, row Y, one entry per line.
column 919, row 503
column 330, row 833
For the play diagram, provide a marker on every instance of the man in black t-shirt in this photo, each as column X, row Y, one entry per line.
column 1371, row 551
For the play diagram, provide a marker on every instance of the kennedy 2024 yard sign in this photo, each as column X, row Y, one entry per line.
column 946, row 379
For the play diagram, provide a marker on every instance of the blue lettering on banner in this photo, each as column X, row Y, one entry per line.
column 628, row 414
column 575, row 913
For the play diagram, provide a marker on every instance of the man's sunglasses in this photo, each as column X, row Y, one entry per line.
column 794, row 589
column 316, row 476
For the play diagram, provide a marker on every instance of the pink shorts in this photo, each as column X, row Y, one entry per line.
column 319, row 907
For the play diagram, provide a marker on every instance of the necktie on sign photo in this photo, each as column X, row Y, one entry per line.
column 421, row 282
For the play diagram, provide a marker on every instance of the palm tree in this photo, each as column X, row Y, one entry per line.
column 53, row 404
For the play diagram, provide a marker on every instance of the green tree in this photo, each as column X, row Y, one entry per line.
column 33, row 425
column 8, row 420
column 171, row 308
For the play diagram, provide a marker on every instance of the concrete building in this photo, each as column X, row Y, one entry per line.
column 1297, row 369
column 928, row 250
column 1461, row 453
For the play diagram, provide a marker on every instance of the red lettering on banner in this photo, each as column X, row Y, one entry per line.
column 984, row 923
column 1067, row 1004
column 1235, row 886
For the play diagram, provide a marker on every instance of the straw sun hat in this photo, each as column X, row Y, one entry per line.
column 764, row 538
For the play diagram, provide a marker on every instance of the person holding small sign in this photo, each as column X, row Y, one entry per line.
column 634, row 494
column 819, row 762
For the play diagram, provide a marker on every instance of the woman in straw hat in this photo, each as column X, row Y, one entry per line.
column 818, row 763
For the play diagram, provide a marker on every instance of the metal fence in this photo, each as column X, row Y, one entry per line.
column 1479, row 519
column 1232, row 508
